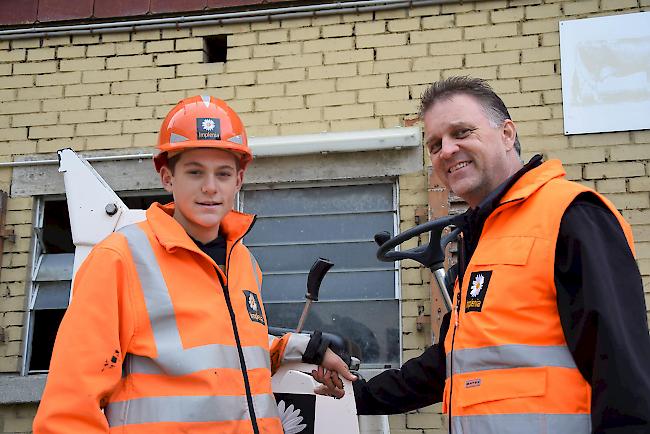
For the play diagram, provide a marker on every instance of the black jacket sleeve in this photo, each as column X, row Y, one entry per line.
column 418, row 383
column 603, row 315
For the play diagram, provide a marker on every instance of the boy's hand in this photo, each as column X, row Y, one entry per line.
column 328, row 375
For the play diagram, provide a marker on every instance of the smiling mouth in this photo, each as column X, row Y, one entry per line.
column 209, row 203
column 458, row 166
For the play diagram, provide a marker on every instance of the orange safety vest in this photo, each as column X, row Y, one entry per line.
column 196, row 349
column 509, row 369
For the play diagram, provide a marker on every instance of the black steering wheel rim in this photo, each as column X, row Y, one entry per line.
column 428, row 255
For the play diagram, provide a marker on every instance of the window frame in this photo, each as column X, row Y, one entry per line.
column 366, row 369
column 36, row 254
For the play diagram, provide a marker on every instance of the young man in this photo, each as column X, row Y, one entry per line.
column 548, row 333
column 166, row 331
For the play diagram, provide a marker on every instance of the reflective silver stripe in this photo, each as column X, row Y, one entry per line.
column 522, row 423
column 201, row 358
column 156, row 295
column 509, row 356
column 172, row 358
column 255, row 267
column 189, row 409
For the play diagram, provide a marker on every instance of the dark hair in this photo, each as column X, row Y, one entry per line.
column 494, row 107
column 171, row 162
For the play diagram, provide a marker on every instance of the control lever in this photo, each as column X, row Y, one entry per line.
column 314, row 279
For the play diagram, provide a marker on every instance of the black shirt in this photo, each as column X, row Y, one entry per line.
column 602, row 312
column 216, row 249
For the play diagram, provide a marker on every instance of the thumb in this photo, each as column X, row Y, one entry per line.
column 349, row 375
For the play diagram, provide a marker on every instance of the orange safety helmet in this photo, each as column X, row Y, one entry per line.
column 202, row 122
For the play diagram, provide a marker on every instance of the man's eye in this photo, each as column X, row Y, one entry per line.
column 462, row 133
column 434, row 148
column 224, row 174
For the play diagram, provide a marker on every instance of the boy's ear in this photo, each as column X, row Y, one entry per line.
column 240, row 180
column 166, row 178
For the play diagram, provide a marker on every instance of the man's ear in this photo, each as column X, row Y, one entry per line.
column 508, row 134
column 166, row 177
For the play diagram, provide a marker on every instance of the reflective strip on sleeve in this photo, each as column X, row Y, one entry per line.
column 188, row 409
column 509, row 356
column 534, row 423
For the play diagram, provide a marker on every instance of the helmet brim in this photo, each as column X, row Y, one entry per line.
column 241, row 151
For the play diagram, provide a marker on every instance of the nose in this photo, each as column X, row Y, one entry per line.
column 210, row 185
column 448, row 147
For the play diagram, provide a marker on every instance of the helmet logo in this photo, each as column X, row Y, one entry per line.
column 208, row 129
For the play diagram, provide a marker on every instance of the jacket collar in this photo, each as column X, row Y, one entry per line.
column 532, row 180
column 170, row 234
column 519, row 186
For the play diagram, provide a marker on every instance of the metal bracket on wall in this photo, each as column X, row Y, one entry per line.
column 421, row 319
column 5, row 234
column 438, row 207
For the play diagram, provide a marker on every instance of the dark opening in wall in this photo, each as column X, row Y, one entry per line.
column 51, row 288
column 56, row 227
column 215, row 48
column 46, row 324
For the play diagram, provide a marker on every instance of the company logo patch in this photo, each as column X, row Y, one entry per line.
column 208, row 129
column 478, row 286
column 474, row 382
column 253, row 307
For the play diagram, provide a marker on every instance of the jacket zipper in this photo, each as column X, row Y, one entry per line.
column 242, row 361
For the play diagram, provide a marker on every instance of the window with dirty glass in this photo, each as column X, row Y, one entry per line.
column 358, row 298
column 51, row 275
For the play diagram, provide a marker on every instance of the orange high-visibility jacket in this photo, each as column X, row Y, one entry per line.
column 163, row 340
column 509, row 369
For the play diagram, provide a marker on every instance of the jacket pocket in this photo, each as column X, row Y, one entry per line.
column 486, row 387
column 504, row 250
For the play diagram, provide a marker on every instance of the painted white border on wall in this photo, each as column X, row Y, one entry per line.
column 606, row 73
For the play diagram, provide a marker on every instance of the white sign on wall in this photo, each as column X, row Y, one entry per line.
column 606, row 73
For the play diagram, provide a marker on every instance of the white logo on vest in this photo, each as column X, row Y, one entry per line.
column 477, row 290
column 253, row 307
column 477, row 285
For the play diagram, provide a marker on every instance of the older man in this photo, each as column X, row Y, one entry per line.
column 548, row 333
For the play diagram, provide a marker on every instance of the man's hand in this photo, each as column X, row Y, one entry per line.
column 328, row 375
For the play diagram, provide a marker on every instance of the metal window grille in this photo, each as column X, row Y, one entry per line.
column 359, row 297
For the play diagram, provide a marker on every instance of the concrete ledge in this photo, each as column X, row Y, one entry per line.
column 16, row 389
column 130, row 175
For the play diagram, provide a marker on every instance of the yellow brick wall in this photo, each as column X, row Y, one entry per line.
column 17, row 419
column 336, row 73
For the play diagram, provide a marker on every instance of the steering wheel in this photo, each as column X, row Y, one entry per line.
column 430, row 255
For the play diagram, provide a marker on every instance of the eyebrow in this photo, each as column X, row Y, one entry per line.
column 202, row 166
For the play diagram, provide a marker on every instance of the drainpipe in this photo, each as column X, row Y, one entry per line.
column 280, row 13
